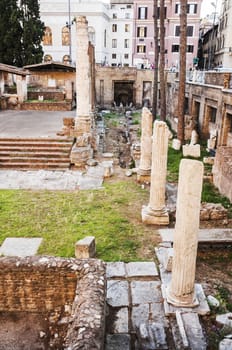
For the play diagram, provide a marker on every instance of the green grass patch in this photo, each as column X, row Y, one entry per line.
column 62, row 218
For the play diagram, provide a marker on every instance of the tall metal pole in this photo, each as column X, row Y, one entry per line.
column 69, row 28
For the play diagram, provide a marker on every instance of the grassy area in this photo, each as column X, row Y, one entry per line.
column 62, row 218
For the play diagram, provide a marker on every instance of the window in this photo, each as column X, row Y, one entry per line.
column 114, row 43
column 142, row 13
column 158, row 12
column 127, row 15
column 177, row 31
column 114, row 56
column 191, row 8
column 65, row 36
column 213, row 114
column 177, row 8
column 114, row 28
column 66, row 59
column 128, row 6
column 126, row 43
column 127, row 28
column 141, row 48
column 47, row 38
column 175, row 48
column 114, row 15
column 190, row 48
column 126, row 56
column 141, row 32
column 189, row 30
column 47, row 58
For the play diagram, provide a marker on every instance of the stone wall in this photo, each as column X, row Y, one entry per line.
column 47, row 106
column 222, row 171
column 47, row 95
column 41, row 284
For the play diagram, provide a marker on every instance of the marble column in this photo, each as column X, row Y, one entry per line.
column 156, row 212
column 181, row 291
column 144, row 171
column 83, row 119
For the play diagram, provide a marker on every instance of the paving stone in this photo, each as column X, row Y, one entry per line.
column 86, row 182
column 117, row 342
column 140, row 314
column 225, row 344
column 120, row 325
column 115, row 269
column 20, row 246
column 143, row 292
column 193, row 330
column 152, row 336
column 141, row 269
column 117, row 293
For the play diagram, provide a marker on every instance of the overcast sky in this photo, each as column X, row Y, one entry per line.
column 207, row 8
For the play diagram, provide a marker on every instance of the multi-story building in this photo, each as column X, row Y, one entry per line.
column 122, row 31
column 121, row 28
column 59, row 43
column 223, row 54
column 143, row 38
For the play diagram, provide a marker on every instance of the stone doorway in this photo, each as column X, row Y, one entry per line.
column 124, row 93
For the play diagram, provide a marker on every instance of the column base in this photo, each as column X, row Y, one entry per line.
column 144, row 176
column 155, row 217
column 184, row 301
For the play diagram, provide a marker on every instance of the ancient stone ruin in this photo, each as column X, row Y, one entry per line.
column 61, row 302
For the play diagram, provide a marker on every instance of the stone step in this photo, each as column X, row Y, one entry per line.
column 34, row 154
column 35, row 159
column 29, row 165
column 45, row 148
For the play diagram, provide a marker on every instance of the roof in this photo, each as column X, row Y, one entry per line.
column 12, row 69
column 51, row 66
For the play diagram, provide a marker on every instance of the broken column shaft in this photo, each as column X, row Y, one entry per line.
column 181, row 291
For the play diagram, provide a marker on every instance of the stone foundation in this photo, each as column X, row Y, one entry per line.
column 222, row 171
column 68, row 287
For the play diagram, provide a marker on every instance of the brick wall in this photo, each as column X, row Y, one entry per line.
column 35, row 285
column 222, row 171
column 41, row 284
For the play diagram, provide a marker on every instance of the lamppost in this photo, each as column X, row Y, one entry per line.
column 68, row 25
column 214, row 4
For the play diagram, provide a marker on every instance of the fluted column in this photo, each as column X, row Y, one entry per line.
column 181, row 291
column 144, row 171
column 156, row 212
column 83, row 120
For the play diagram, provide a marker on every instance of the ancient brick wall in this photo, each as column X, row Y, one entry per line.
column 47, row 106
column 222, row 171
column 47, row 95
column 34, row 284
column 41, row 284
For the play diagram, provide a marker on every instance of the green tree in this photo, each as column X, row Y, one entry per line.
column 33, row 30
column 10, row 33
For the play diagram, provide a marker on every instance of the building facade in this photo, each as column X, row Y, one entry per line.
column 59, row 42
column 121, row 28
column 121, row 31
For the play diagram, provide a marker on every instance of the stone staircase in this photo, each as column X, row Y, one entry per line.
column 35, row 153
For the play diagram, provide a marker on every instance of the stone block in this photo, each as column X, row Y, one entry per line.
column 143, row 292
column 117, row 293
column 152, row 336
column 168, row 258
column 117, row 341
column 85, row 248
column 225, row 344
column 191, row 151
column 176, row 144
column 144, row 268
column 115, row 269
column 208, row 160
column 225, row 319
